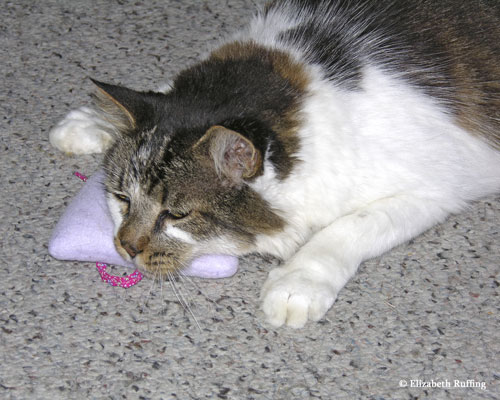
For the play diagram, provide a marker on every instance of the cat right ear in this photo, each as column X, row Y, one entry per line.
column 124, row 108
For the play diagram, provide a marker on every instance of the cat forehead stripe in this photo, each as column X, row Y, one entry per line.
column 146, row 147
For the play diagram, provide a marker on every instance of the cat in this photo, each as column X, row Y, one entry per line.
column 324, row 133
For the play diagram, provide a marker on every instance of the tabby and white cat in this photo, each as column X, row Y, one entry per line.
column 324, row 133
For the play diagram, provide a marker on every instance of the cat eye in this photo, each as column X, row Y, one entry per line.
column 122, row 197
column 172, row 215
column 169, row 215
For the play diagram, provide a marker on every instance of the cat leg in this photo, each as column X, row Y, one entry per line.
column 81, row 131
column 307, row 286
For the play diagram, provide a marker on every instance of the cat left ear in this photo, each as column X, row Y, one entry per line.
column 124, row 108
column 234, row 156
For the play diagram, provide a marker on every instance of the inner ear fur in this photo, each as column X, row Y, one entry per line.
column 234, row 157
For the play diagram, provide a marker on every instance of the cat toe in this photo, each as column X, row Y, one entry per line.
column 319, row 307
column 297, row 311
column 293, row 299
column 275, row 308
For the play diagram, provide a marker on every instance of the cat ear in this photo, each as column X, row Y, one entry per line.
column 235, row 158
column 124, row 108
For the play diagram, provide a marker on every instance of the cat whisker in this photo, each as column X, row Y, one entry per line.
column 161, row 278
column 211, row 302
column 187, row 278
column 182, row 299
column 150, row 291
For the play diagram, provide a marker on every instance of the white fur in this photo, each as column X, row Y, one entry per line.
column 116, row 213
column 383, row 165
column 81, row 131
column 178, row 234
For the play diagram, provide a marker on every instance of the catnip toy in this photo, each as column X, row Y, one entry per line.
column 85, row 233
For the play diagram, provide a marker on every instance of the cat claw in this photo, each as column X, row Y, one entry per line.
column 294, row 297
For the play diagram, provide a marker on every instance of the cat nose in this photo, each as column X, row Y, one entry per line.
column 134, row 248
column 130, row 249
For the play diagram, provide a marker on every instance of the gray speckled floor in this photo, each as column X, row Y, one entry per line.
column 428, row 310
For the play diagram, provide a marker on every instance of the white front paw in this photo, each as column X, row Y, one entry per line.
column 80, row 132
column 296, row 296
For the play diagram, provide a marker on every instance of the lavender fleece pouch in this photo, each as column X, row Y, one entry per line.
column 85, row 233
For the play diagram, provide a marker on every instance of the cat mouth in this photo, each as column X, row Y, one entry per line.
column 156, row 263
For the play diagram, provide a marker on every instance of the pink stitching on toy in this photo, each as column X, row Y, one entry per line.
column 122, row 281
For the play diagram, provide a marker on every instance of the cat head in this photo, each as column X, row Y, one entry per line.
column 177, row 184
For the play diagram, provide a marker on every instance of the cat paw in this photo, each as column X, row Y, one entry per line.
column 80, row 132
column 293, row 297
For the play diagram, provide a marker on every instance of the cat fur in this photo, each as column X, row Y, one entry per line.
column 324, row 133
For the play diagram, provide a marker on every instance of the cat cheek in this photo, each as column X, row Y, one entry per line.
column 116, row 214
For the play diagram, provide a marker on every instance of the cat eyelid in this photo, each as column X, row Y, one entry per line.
column 122, row 197
column 168, row 215
column 173, row 215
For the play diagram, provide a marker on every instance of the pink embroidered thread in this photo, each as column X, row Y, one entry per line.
column 122, row 281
